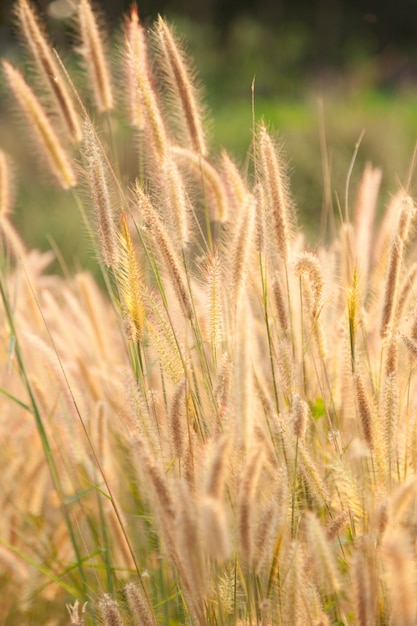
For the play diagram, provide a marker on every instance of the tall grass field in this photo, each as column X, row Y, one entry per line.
column 221, row 428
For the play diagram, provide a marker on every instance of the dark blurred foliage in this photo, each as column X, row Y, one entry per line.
column 335, row 33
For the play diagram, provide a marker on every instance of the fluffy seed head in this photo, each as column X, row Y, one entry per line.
column 130, row 283
column 101, row 197
column 110, row 611
column 182, row 85
column 299, row 415
column 364, row 409
column 48, row 143
column 46, row 65
column 308, row 265
column 92, row 50
column 136, row 56
column 139, row 606
column 275, row 183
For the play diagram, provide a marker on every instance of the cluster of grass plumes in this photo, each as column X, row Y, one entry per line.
column 230, row 437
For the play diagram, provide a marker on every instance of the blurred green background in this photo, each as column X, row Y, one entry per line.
column 325, row 70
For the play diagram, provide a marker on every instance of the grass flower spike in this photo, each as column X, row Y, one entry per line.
column 48, row 143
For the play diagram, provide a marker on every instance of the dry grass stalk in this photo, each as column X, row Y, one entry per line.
column 45, row 63
column 47, row 140
column 92, row 49
column 180, row 80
